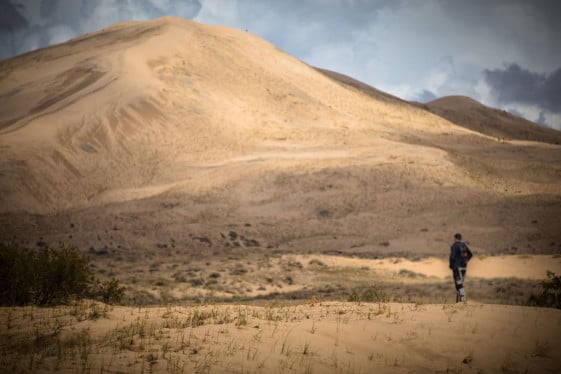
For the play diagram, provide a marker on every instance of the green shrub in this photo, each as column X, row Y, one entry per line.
column 49, row 276
column 59, row 274
column 111, row 292
column 16, row 275
column 551, row 290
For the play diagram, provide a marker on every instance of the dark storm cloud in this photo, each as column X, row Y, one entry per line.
column 29, row 24
column 10, row 17
column 481, row 12
column 514, row 84
column 11, row 21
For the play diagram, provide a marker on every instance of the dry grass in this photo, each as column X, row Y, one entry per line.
column 308, row 338
column 260, row 275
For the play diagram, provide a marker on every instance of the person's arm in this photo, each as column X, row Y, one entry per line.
column 469, row 253
column 451, row 256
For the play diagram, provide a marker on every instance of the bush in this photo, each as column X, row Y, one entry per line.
column 550, row 293
column 369, row 295
column 111, row 292
column 16, row 273
column 49, row 276
column 60, row 274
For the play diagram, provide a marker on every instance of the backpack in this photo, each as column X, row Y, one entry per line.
column 464, row 253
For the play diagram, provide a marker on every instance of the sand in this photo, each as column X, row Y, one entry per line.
column 522, row 267
column 317, row 337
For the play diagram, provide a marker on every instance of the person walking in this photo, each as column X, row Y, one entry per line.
column 460, row 254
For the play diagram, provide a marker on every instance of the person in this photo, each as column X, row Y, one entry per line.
column 460, row 254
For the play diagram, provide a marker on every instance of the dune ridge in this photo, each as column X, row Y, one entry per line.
column 473, row 115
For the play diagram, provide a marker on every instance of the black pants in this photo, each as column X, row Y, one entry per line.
column 459, row 276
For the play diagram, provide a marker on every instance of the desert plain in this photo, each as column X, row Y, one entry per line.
column 269, row 216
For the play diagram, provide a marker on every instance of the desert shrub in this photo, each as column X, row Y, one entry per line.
column 15, row 275
column 551, row 290
column 110, row 292
column 49, row 276
column 369, row 295
column 59, row 274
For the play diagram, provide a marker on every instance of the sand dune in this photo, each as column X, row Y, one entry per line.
column 173, row 95
column 175, row 113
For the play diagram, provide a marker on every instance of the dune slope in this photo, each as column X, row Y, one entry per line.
column 190, row 129
column 470, row 114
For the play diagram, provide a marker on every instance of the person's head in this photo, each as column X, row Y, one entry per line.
column 457, row 236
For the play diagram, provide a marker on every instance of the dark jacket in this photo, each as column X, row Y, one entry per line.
column 460, row 254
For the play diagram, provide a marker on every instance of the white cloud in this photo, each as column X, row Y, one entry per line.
column 30, row 42
column 60, row 33
column 484, row 93
column 534, row 113
column 221, row 12
column 404, row 91
column 553, row 120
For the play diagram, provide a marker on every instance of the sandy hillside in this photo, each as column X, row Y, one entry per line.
column 148, row 132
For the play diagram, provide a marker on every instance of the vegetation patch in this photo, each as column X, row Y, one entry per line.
column 550, row 296
column 50, row 276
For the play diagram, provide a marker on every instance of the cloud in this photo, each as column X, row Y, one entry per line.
column 425, row 96
column 514, row 84
column 10, row 17
column 30, row 24
column 332, row 34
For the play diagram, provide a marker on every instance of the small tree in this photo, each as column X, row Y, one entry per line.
column 59, row 274
column 50, row 276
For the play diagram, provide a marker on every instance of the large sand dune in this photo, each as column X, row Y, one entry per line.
column 195, row 128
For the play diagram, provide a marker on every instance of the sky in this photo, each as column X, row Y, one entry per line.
column 503, row 53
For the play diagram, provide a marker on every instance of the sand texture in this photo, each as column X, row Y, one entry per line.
column 312, row 338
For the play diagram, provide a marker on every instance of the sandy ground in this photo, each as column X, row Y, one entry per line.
column 317, row 337
column 523, row 267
